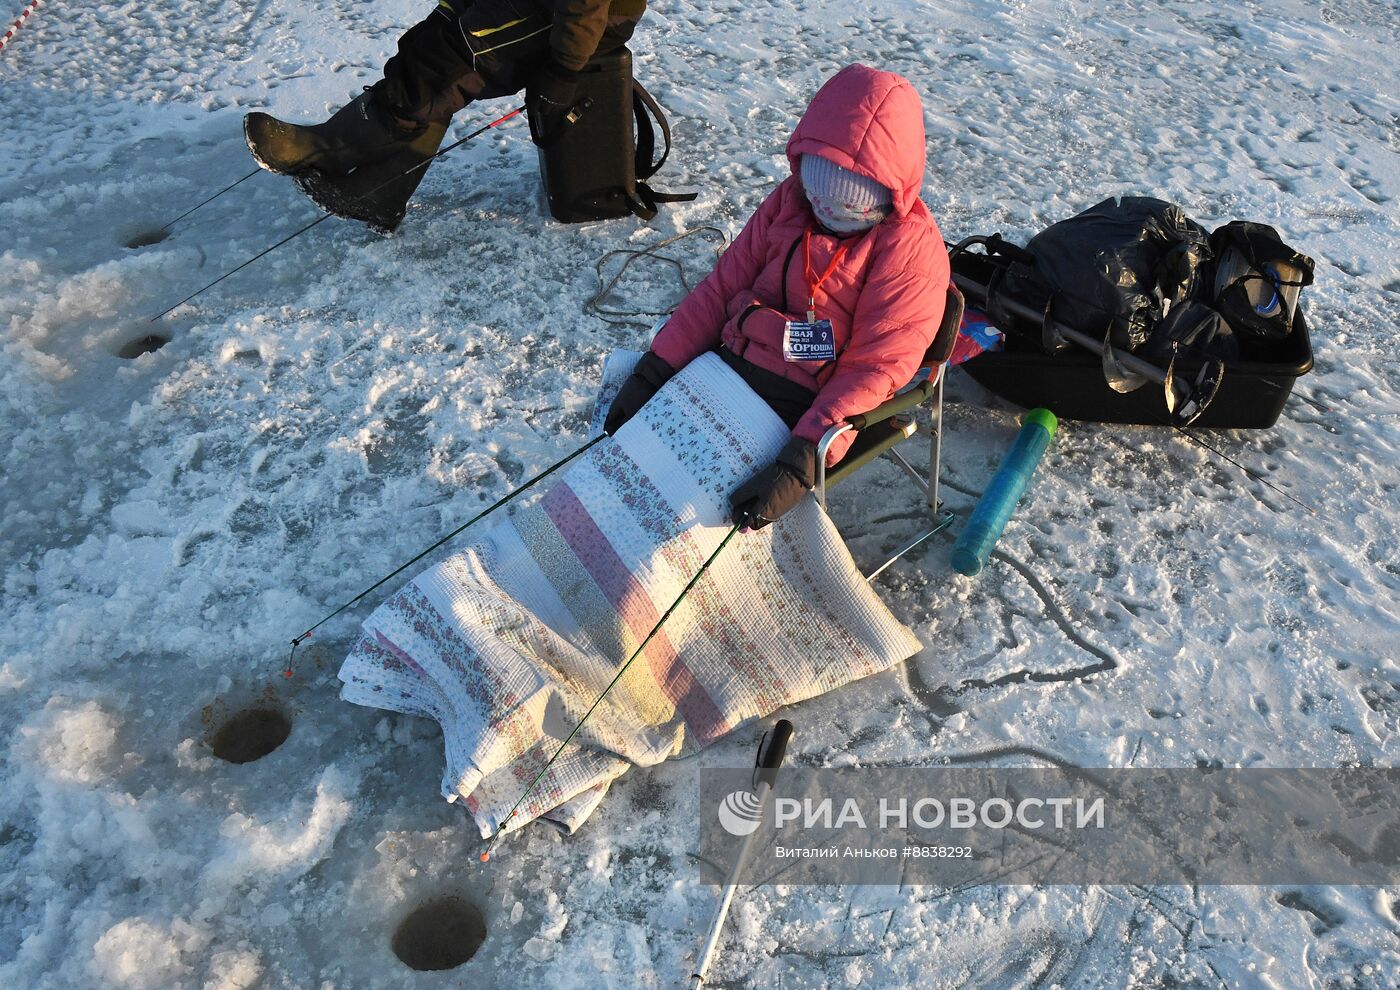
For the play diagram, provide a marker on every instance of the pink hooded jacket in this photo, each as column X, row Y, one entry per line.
column 884, row 298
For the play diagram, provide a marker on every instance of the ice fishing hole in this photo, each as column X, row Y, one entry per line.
column 138, row 346
column 146, row 238
column 441, row 933
column 251, row 734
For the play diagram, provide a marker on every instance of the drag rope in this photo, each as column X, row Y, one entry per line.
column 621, row 317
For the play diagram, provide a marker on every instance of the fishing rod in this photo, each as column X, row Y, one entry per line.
column 500, row 829
column 326, row 216
column 297, row 641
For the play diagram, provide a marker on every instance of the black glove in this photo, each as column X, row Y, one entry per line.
column 548, row 99
column 645, row 381
column 778, row 487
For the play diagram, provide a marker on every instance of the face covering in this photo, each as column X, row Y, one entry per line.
column 843, row 202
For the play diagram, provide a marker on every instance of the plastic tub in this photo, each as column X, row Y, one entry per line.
column 1071, row 384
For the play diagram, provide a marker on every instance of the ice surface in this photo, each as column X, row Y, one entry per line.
column 168, row 522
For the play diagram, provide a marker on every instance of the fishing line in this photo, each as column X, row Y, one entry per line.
column 297, row 641
column 211, row 199
column 1221, row 454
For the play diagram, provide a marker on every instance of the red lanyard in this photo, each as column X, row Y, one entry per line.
column 813, row 286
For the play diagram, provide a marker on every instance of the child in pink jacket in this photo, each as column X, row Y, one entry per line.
column 829, row 297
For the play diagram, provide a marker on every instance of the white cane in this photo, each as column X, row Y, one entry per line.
column 770, row 757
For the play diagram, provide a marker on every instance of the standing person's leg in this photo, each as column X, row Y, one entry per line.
column 439, row 69
column 353, row 165
column 473, row 53
column 431, row 57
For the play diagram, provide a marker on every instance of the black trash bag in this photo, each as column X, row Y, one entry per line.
column 1257, row 279
column 1114, row 270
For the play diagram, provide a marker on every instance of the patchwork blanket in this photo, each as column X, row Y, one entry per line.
column 507, row 643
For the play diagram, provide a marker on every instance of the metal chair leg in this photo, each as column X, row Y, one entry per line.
column 942, row 518
column 943, row 522
column 935, row 443
column 909, row 469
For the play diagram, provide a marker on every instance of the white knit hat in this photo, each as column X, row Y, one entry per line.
column 842, row 200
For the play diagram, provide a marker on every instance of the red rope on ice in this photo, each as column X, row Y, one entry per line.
column 29, row 8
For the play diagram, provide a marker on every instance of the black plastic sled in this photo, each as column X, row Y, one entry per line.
column 1070, row 383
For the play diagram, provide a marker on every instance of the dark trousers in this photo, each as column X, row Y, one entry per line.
column 784, row 396
column 446, row 61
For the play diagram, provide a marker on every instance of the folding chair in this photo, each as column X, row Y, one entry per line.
column 892, row 422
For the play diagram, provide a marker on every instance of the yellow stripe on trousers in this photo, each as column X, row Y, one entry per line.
column 508, row 24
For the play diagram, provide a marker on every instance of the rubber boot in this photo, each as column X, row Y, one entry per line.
column 376, row 193
column 359, row 133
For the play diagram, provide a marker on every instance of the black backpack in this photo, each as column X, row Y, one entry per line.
column 1257, row 279
column 596, row 169
column 1140, row 274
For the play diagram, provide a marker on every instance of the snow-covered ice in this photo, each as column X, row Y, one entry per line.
column 168, row 522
